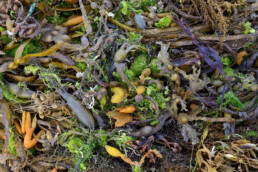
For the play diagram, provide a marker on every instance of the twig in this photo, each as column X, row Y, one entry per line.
column 214, row 38
column 177, row 10
column 7, row 132
column 251, row 103
column 98, row 118
column 203, row 28
column 53, row 164
column 140, row 122
column 220, row 119
column 160, row 15
column 151, row 130
column 86, row 21
column 147, row 31
column 230, row 37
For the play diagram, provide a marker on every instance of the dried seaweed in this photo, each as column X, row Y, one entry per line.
column 75, row 58
column 205, row 52
column 189, row 133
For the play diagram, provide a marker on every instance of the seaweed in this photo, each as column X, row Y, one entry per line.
column 231, row 99
column 164, row 22
column 140, row 75
column 140, row 63
column 33, row 46
column 12, row 142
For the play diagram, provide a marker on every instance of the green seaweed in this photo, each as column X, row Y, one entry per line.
column 103, row 102
column 151, row 89
column 161, row 100
column 31, row 69
column 12, row 142
column 82, row 149
column 133, row 36
column 155, row 122
column 230, row 72
column 49, row 76
column 102, row 138
column 164, row 22
column 33, row 46
column 4, row 39
column 140, row 63
column 249, row 44
column 137, row 168
column 144, row 106
column 147, row 3
column 230, row 99
column 81, row 65
column 57, row 18
column 154, row 67
column 248, row 28
column 227, row 61
column 127, row 6
column 120, row 138
column 7, row 93
column 2, row 29
column 9, row 96
column 252, row 134
column 117, row 76
column 130, row 74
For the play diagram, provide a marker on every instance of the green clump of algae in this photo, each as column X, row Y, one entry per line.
column 33, row 46
column 231, row 99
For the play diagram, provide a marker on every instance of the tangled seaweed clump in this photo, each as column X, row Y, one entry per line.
column 134, row 85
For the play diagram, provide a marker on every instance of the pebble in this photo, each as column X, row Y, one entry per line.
column 220, row 89
column 217, row 83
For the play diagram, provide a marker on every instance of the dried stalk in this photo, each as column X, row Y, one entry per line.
column 86, row 21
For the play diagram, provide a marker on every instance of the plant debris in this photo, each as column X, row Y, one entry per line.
column 157, row 85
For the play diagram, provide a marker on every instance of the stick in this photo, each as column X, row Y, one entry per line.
column 86, row 21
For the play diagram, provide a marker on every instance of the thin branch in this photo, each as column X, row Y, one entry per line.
column 86, row 21
column 181, row 13
column 147, row 31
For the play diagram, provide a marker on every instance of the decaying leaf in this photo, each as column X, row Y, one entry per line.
column 113, row 151
column 127, row 109
column 121, row 118
column 205, row 133
column 116, row 153
column 240, row 57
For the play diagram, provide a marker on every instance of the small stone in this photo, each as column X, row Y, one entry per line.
column 55, row 33
column 217, row 83
column 220, row 89
column 58, row 27
column 138, row 98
